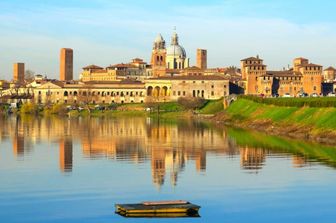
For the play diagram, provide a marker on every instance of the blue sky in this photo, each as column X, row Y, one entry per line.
column 106, row 32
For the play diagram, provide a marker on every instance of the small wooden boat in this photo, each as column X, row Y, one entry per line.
column 177, row 208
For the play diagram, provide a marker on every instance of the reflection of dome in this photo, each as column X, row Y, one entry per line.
column 176, row 50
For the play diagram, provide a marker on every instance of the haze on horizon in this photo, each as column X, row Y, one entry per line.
column 103, row 32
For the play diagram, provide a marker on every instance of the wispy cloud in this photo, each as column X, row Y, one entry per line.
column 108, row 33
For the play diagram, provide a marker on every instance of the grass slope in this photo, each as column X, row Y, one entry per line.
column 212, row 107
column 323, row 118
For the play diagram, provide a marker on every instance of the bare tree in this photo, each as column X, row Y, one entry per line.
column 29, row 75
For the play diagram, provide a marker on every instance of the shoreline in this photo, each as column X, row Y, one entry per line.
column 244, row 114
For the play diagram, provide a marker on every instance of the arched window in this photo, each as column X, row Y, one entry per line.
column 149, row 91
column 65, row 93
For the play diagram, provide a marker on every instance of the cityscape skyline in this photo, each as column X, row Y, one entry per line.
column 123, row 31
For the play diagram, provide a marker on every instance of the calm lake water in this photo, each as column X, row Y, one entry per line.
column 75, row 170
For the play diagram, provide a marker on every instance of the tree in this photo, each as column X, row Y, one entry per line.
column 29, row 75
column 191, row 103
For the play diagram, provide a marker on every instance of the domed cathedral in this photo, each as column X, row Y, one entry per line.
column 176, row 55
column 158, row 59
column 172, row 58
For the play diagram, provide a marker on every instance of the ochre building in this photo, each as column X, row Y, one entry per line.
column 304, row 77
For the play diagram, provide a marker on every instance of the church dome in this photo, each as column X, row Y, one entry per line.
column 177, row 51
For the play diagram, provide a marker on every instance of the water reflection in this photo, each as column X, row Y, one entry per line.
column 167, row 146
column 65, row 154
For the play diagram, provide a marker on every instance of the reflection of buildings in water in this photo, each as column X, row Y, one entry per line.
column 18, row 145
column 158, row 167
column 252, row 158
column 166, row 160
column 18, row 138
column 169, row 146
column 65, row 154
column 299, row 161
column 201, row 162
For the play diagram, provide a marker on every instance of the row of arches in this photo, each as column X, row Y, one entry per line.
column 158, row 91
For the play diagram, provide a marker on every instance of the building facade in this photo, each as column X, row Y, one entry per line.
column 329, row 75
column 209, row 87
column 90, row 93
column 66, row 64
column 304, row 77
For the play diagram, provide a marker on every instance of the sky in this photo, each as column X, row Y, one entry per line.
column 105, row 32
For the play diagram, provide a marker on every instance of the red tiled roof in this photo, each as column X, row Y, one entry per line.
column 330, row 69
column 311, row 65
column 251, row 58
column 122, row 65
column 285, row 73
column 93, row 67
column 192, row 77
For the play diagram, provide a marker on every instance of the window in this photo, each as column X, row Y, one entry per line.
column 179, row 93
column 184, row 93
column 314, row 88
column 212, row 93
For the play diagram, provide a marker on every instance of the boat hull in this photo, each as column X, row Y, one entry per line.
column 162, row 210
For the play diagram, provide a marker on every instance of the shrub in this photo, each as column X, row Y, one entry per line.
column 191, row 103
column 58, row 109
column 29, row 108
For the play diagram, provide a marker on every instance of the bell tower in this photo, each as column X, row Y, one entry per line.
column 158, row 60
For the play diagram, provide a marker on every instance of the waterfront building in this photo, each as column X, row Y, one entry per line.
column 66, row 64
column 135, row 70
column 171, row 88
column 304, row 77
column 19, row 72
column 124, row 91
column 97, row 73
column 3, row 85
column 329, row 75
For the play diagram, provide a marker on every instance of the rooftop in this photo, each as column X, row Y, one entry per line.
column 192, row 77
column 92, row 67
column 252, row 58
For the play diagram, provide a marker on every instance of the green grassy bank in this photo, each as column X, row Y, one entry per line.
column 308, row 122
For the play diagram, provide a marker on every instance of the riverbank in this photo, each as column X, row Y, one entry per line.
column 308, row 119
column 309, row 123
